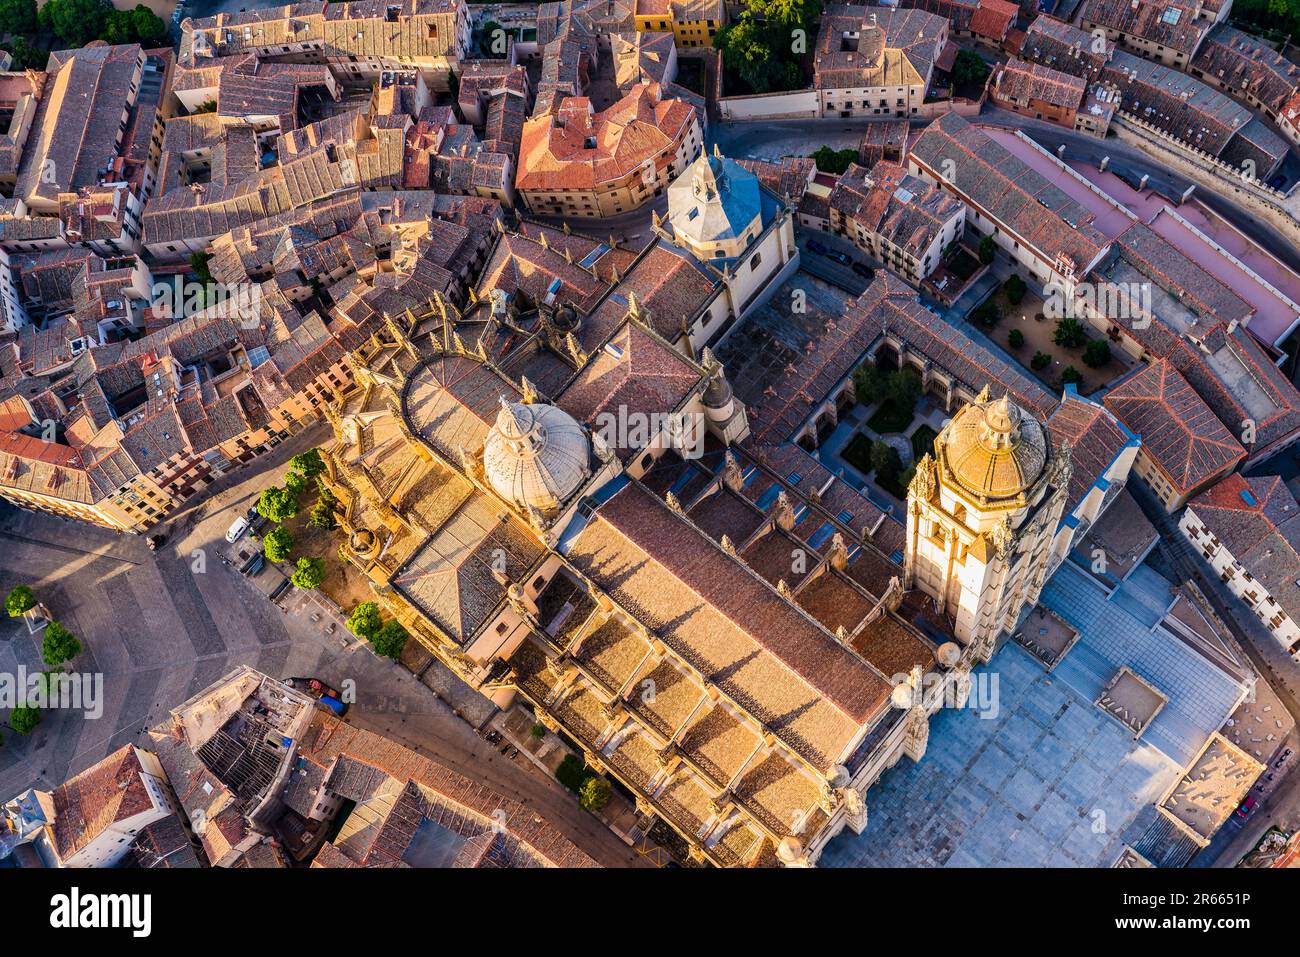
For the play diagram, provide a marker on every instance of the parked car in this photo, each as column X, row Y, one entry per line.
column 322, row 692
column 258, row 523
column 237, row 530
column 1246, row 806
column 155, row 542
column 312, row 686
column 863, row 270
column 816, row 247
column 839, row 257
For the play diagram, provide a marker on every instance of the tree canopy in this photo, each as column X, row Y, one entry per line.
column 20, row 599
column 24, row 718
column 59, row 645
column 595, row 793
column 390, row 639
column 365, row 620
column 309, row 574
column 277, row 504
column 309, row 463
column 278, row 544
column 765, row 46
column 18, row 17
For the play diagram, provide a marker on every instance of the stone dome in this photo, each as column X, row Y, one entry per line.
column 993, row 450
column 535, row 455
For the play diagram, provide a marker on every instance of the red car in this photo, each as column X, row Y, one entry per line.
column 1245, row 807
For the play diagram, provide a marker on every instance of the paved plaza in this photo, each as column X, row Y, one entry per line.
column 1051, row 781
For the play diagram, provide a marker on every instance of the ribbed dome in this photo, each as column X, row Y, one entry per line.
column 994, row 450
column 535, row 455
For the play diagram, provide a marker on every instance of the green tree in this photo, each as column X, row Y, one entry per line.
column 150, row 30
column 24, row 55
column 278, row 544
column 988, row 249
column 277, row 504
column 295, row 483
column 18, row 17
column 1096, row 353
column 309, row 463
column 309, row 574
column 871, row 383
column 1071, row 374
column 905, row 391
column 20, row 599
column 886, row 461
column 75, row 22
column 1015, row 289
column 24, row 718
column 365, row 620
column 538, row 731
column 322, row 516
column 572, row 773
column 59, row 645
column 595, row 793
column 1040, row 361
column 969, row 69
column 390, row 639
column 1015, row 338
column 765, row 45
column 1069, row 333
column 987, row 313
column 834, row 161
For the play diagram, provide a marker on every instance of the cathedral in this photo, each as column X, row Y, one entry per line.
column 982, row 513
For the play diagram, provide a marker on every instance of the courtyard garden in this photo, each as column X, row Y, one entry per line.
column 1057, row 351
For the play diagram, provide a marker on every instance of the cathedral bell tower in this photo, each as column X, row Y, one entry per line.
column 981, row 514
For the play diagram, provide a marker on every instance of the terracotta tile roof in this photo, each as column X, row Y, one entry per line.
column 361, row 763
column 1028, row 205
column 906, row 210
column 1025, row 82
column 1096, row 438
column 1258, row 521
column 1064, row 47
column 575, row 148
column 99, row 797
column 876, row 46
column 1172, row 25
column 1179, row 432
column 1246, row 64
column 635, row 372
column 783, row 668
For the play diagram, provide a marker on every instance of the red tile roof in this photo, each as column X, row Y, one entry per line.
column 1179, row 432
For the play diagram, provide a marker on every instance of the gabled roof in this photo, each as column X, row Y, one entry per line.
column 1179, row 431
column 103, row 795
